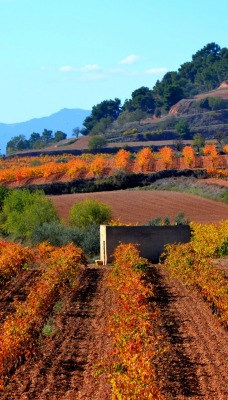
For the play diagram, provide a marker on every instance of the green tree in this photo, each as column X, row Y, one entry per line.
column 207, row 69
column 34, row 138
column 76, row 132
column 17, row 143
column 198, row 142
column 96, row 142
column 141, row 99
column 59, row 135
column 172, row 94
column 87, row 212
column 182, row 128
column 101, row 126
column 47, row 136
column 106, row 109
column 23, row 211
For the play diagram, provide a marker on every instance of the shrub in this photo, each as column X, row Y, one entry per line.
column 3, row 193
column 96, row 142
column 216, row 103
column 90, row 242
column 180, row 219
column 23, row 212
column 58, row 234
column 83, row 213
column 154, row 222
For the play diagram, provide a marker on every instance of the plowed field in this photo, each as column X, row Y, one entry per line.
column 139, row 206
column 192, row 365
column 193, row 362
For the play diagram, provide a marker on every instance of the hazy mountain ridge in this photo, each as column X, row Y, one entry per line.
column 64, row 120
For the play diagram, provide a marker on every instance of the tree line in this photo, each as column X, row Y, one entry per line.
column 207, row 69
column 35, row 141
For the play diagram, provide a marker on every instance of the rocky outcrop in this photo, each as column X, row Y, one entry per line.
column 224, row 85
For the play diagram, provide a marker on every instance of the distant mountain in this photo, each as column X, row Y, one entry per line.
column 64, row 120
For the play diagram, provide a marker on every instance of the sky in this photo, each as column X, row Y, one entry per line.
column 59, row 54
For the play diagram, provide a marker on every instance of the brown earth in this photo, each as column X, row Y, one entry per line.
column 195, row 363
column 16, row 289
column 139, row 206
column 64, row 367
column 222, row 92
column 191, row 363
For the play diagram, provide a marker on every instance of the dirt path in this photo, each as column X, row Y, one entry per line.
column 195, row 363
column 64, row 368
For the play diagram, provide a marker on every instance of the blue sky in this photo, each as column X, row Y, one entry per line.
column 74, row 54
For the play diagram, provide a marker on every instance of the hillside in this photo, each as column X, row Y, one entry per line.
column 155, row 131
column 200, row 118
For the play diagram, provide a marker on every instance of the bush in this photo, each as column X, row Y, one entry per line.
column 224, row 196
column 216, row 103
column 91, row 240
column 83, row 213
column 58, row 235
column 3, row 193
column 96, row 142
column 180, row 219
column 155, row 222
column 23, row 212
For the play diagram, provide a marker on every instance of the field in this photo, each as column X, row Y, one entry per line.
column 67, row 359
column 139, row 206
column 190, row 361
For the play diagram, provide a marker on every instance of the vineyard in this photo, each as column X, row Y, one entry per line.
column 73, row 331
column 70, row 329
column 21, row 170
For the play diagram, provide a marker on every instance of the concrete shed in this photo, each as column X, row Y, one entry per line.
column 151, row 239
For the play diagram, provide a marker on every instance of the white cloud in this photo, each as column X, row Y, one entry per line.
column 155, row 71
column 131, row 59
column 91, row 67
column 66, row 68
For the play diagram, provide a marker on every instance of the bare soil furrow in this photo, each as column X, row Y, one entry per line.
column 64, row 360
column 139, row 206
column 195, row 362
column 16, row 289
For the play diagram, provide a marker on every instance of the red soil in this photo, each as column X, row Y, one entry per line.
column 192, row 363
column 139, row 206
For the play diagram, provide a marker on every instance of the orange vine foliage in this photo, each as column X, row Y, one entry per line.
column 225, row 148
column 13, row 258
column 166, row 154
column 210, row 150
column 189, row 155
column 122, row 159
column 88, row 165
column 19, row 333
column 77, row 168
column 98, row 165
column 145, row 159
column 131, row 372
column 192, row 263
